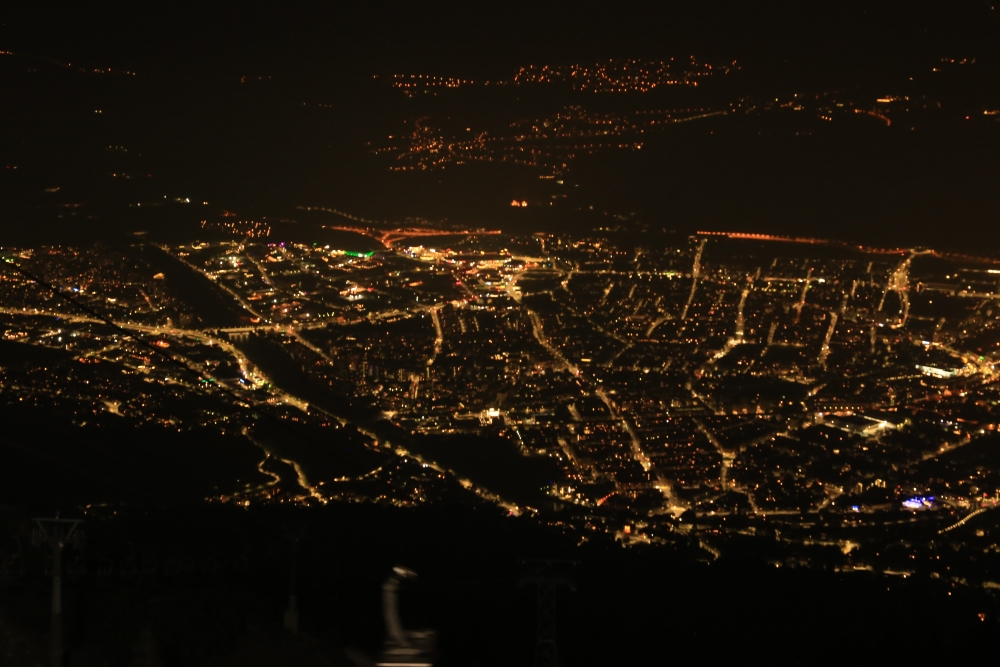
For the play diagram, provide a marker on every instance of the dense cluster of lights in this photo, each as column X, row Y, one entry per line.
column 614, row 76
column 675, row 380
column 548, row 143
column 253, row 229
column 624, row 76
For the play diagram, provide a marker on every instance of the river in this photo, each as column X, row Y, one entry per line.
column 493, row 463
column 213, row 307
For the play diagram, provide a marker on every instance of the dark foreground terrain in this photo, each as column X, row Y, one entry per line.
column 207, row 585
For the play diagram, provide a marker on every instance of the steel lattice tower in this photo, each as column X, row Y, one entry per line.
column 547, row 576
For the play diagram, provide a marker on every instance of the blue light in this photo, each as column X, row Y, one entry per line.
column 918, row 502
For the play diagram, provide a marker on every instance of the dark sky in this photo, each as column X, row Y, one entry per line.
column 317, row 37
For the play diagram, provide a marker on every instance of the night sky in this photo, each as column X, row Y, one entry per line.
column 837, row 37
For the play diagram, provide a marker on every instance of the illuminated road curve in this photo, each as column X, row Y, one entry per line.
column 963, row 520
